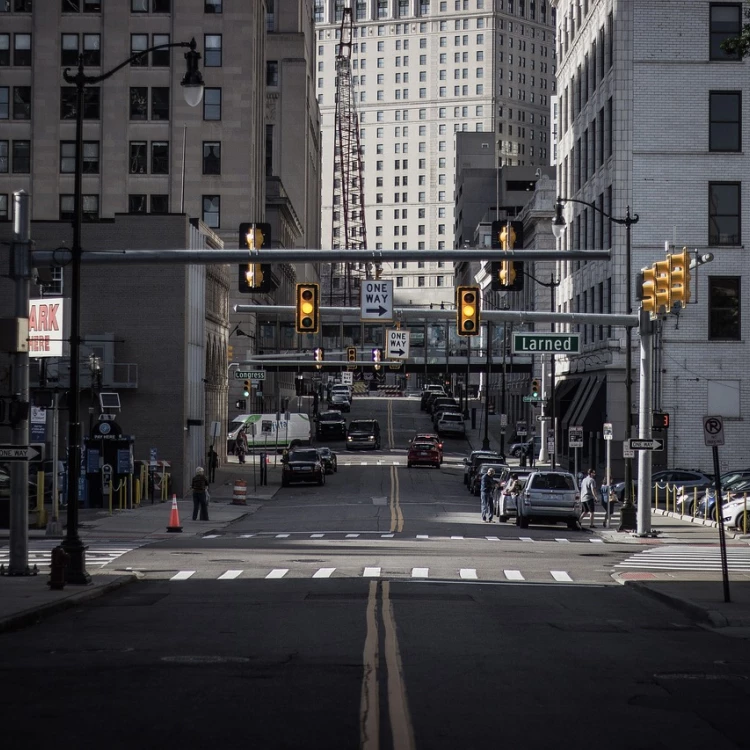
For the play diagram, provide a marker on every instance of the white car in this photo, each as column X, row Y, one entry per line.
column 733, row 514
column 450, row 424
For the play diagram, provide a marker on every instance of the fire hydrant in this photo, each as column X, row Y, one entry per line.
column 58, row 565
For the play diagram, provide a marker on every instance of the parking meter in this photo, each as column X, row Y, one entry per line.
column 106, row 478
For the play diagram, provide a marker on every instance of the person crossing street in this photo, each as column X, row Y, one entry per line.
column 589, row 496
column 487, row 486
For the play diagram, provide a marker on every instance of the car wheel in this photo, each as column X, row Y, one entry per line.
column 502, row 519
column 739, row 522
column 437, row 465
column 335, row 466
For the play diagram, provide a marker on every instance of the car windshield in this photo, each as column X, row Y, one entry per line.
column 361, row 426
column 325, row 452
column 499, row 468
column 552, row 482
column 451, row 418
column 334, row 416
column 309, row 455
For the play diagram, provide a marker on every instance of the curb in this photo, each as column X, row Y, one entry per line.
column 701, row 522
column 35, row 614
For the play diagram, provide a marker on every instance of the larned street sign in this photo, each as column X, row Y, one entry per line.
column 397, row 344
column 376, row 300
column 17, row 453
column 249, row 374
column 645, row 444
column 546, row 343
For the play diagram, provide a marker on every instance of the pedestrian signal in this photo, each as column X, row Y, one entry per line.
column 255, row 277
column 659, row 420
column 506, row 275
column 467, row 310
column 307, row 308
column 319, row 356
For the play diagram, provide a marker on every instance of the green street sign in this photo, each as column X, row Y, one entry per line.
column 546, row 343
column 249, row 374
column 531, row 400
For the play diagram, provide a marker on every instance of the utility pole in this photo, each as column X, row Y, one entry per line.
column 486, row 441
column 644, row 423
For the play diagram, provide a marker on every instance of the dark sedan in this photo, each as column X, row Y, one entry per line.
column 329, row 459
column 330, row 424
column 303, row 465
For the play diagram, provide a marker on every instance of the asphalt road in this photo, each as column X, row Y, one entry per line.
column 375, row 612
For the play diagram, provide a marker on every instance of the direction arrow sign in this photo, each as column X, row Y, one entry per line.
column 376, row 300
column 249, row 374
column 397, row 344
column 17, row 453
column 650, row 444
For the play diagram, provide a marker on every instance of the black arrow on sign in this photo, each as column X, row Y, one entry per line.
column 400, row 352
column 380, row 310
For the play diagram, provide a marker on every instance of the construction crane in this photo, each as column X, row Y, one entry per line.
column 348, row 226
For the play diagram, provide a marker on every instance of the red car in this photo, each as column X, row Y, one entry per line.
column 421, row 437
column 423, row 452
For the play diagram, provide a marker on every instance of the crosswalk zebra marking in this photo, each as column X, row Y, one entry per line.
column 525, row 538
column 422, row 536
column 323, row 573
column 183, row 575
column 420, row 572
column 352, row 536
column 563, row 541
column 278, row 573
column 468, row 574
column 387, row 536
column 560, row 575
column 371, row 573
column 316, row 536
column 492, row 538
column 456, row 537
column 212, row 536
column 282, row 536
column 246, row 536
column 513, row 575
column 230, row 575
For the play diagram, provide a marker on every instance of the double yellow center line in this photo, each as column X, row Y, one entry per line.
column 394, row 501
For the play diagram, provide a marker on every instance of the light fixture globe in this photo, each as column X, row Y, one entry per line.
column 558, row 223
column 192, row 81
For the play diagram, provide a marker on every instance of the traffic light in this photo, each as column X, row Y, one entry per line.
column 535, row 392
column 467, row 309
column 308, row 308
column 246, row 388
column 351, row 353
column 663, row 286
column 648, row 291
column 679, row 277
column 377, row 357
column 240, row 404
column 319, row 355
column 230, row 353
column 254, row 278
column 659, row 420
column 507, row 275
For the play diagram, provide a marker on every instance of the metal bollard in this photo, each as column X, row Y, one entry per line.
column 58, row 564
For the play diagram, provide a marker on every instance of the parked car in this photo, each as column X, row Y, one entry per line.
column 707, row 502
column 340, row 400
column 423, row 452
column 737, row 513
column 451, row 424
column 302, row 465
column 504, row 504
column 518, row 449
column 427, row 391
column 429, row 436
column 363, row 433
column 432, row 397
column 447, row 409
column 474, row 459
column 502, row 472
column 550, row 497
column 329, row 460
column 329, row 425
column 690, row 501
column 442, row 401
column 680, row 477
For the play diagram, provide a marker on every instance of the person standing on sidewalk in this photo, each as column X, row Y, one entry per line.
column 213, row 464
column 530, row 453
column 589, row 496
column 199, row 486
column 487, row 486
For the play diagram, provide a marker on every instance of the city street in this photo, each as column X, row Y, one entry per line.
column 377, row 611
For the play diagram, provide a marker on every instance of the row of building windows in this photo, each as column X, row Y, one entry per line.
column 404, row 282
column 95, row 6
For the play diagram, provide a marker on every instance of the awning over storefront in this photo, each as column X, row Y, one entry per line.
column 591, row 407
column 582, row 388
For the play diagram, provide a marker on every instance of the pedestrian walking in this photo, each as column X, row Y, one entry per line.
column 213, row 464
column 589, row 496
column 240, row 446
column 487, row 486
column 199, row 486
column 530, row 453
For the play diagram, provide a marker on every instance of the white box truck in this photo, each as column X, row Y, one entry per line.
column 265, row 432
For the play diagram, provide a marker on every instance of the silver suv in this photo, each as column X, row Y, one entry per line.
column 550, row 496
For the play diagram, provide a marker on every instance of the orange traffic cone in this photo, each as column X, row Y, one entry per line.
column 174, row 517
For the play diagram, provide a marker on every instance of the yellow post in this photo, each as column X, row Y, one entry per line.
column 695, row 501
column 744, row 512
column 41, row 513
column 137, row 493
column 656, row 496
column 110, row 498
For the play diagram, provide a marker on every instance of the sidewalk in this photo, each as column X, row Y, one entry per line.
column 25, row 600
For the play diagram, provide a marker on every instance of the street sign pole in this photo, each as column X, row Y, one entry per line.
column 644, row 425
column 608, row 470
column 713, row 436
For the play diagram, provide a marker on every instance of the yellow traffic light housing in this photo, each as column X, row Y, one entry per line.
column 377, row 357
column 307, row 312
column 507, row 273
column 319, row 356
column 679, row 277
column 467, row 310
column 351, row 353
column 246, row 388
column 663, row 286
column 535, row 388
column 648, row 291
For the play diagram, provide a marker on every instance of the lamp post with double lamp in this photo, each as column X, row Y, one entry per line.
column 192, row 83
column 628, row 520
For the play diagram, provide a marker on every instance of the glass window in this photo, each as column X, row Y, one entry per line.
column 91, row 103
column 139, row 6
column 160, row 103
column 69, row 49
column 725, row 22
column 724, row 308
column 138, row 158
column 212, row 6
column 160, row 57
column 212, row 211
column 159, row 157
column 4, row 49
column 21, row 157
column 4, row 146
column 67, row 157
column 724, row 213
column 160, row 6
column 211, row 157
column 159, row 204
column 137, row 204
column 212, row 104
column 272, row 73
column 22, row 102
column 138, row 102
column 92, row 55
column 22, row 49
column 90, row 157
column 212, row 50
column 4, row 216
column 138, row 43
column 725, row 128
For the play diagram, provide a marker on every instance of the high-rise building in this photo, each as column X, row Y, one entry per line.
column 424, row 70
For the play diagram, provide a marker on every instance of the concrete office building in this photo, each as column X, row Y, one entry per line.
column 651, row 119
column 424, row 70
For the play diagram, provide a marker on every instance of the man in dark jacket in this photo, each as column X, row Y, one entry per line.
column 199, row 486
column 487, row 486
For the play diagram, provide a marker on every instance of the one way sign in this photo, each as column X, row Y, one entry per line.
column 377, row 300
column 397, row 344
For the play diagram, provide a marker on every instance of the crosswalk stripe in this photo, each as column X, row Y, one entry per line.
column 371, row 573
column 422, row 536
column 363, row 463
column 316, row 536
column 525, row 538
column 230, row 574
column 282, row 536
column 514, row 575
column 456, row 537
column 183, row 575
column 493, row 538
column 597, row 541
column 560, row 575
column 278, row 573
column 387, row 536
column 246, row 536
column 563, row 541
column 352, row 536
column 211, row 536
column 469, row 574
column 420, row 572
column 323, row 573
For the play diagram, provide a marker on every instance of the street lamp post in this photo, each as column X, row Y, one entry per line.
column 192, row 83
column 628, row 520
column 486, row 440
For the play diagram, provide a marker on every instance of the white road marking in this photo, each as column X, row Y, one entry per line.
column 323, row 573
column 352, row 536
column 422, row 536
column 420, row 572
column 560, row 575
column 278, row 573
column 211, row 536
column 371, row 573
column 363, row 463
column 396, row 463
column 469, row 573
column 525, row 538
column 513, row 575
column 456, row 537
column 282, row 536
column 597, row 541
column 493, row 538
column 246, row 536
column 563, row 541
column 230, row 574
column 387, row 536
column 316, row 536
column 183, row 575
